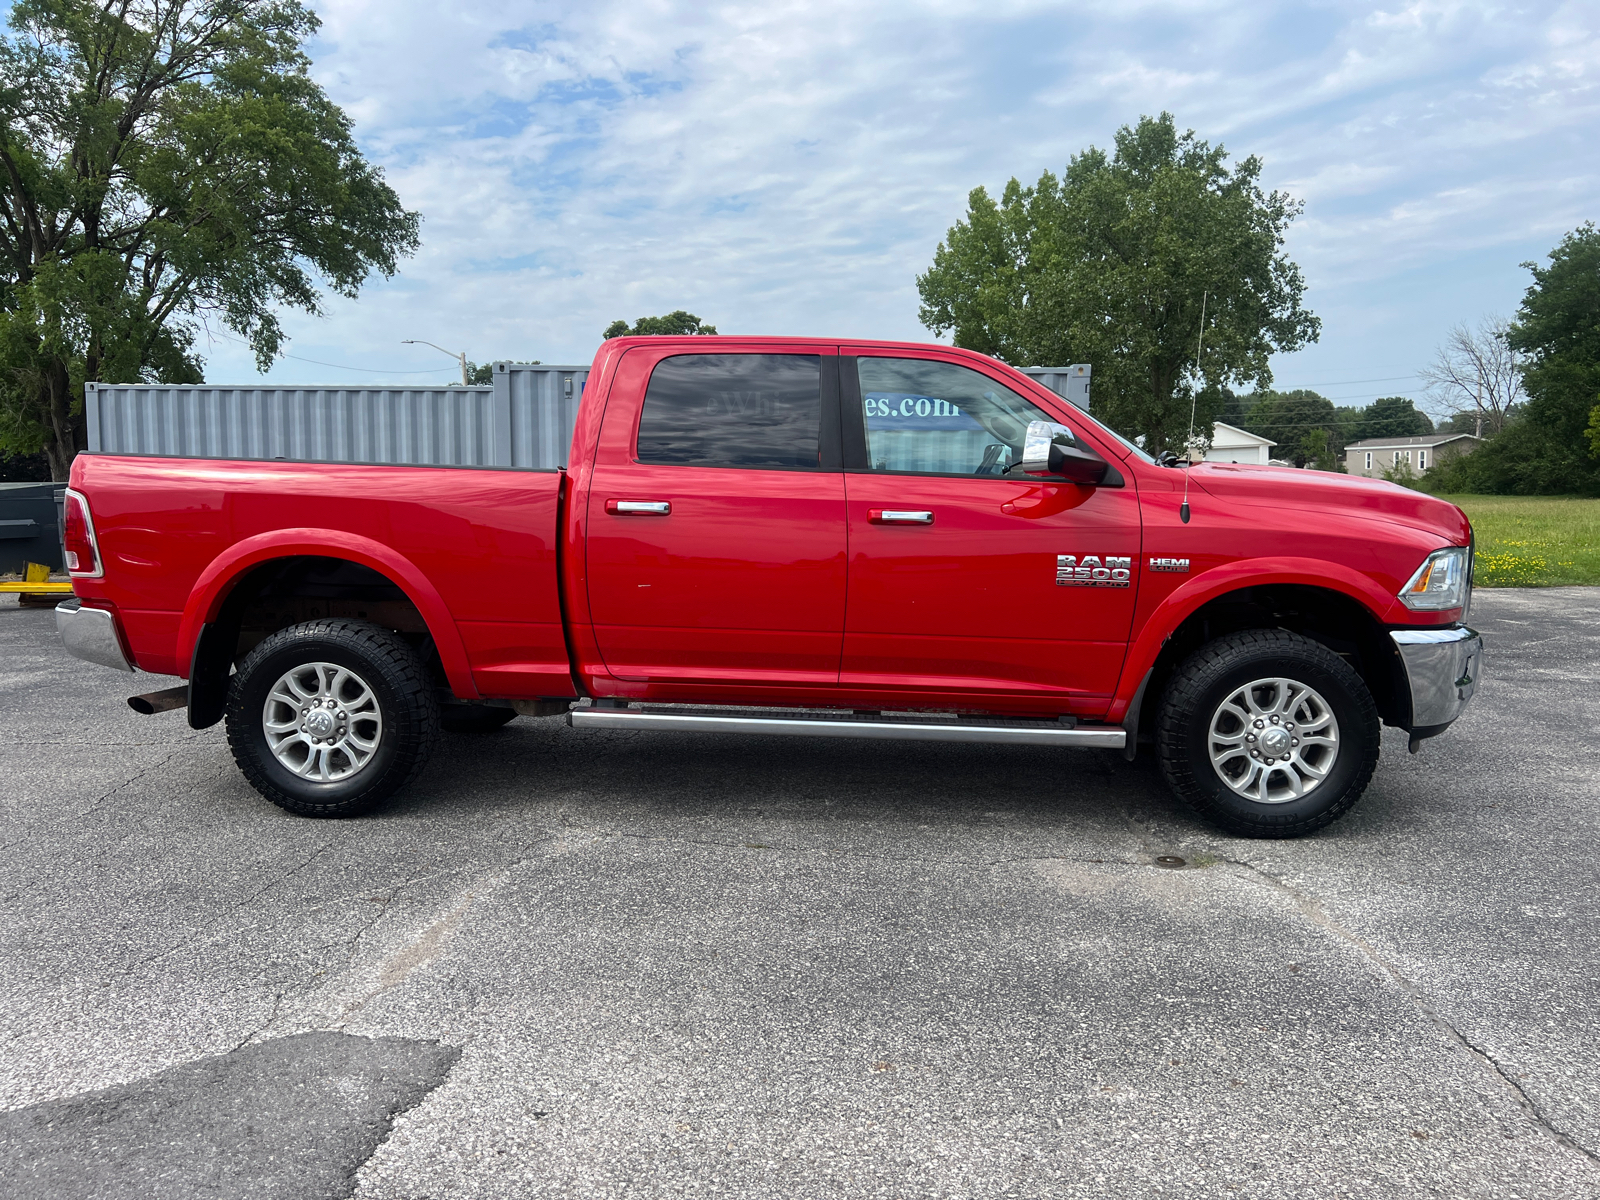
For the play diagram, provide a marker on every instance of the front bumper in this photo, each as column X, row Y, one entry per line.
column 1442, row 667
column 91, row 634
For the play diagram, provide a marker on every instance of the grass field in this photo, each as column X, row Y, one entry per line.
column 1534, row 541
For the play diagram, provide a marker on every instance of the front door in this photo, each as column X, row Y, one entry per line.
column 966, row 578
column 716, row 519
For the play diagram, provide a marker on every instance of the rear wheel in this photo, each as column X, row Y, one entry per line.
column 1267, row 733
column 330, row 718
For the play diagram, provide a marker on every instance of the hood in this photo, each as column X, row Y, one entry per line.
column 1351, row 495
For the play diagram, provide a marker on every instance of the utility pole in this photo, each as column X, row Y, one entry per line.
column 461, row 357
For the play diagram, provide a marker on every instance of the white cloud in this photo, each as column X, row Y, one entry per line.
column 790, row 167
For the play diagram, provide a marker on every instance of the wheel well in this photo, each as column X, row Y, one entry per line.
column 1340, row 623
column 286, row 591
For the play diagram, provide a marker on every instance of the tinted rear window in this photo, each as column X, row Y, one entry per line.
column 733, row 410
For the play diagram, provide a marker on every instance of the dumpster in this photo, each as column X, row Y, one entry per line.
column 30, row 525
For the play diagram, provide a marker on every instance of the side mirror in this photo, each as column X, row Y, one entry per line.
column 1050, row 450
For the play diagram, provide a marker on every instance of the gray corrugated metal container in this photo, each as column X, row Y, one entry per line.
column 543, row 406
column 524, row 420
column 1071, row 383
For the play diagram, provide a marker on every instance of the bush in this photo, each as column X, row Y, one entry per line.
column 1525, row 459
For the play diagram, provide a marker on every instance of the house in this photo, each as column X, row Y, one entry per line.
column 1373, row 456
column 1231, row 444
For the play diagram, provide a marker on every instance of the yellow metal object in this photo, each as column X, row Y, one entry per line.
column 36, row 585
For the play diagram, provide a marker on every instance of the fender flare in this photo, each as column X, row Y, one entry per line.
column 217, row 580
column 1234, row 577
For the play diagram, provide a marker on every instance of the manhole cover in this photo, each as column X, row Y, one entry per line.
column 1170, row 860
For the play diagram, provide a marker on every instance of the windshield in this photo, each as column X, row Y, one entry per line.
column 1131, row 446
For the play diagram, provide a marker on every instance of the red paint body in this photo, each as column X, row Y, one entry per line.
column 758, row 586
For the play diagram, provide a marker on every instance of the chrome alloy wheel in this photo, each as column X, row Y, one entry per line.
column 322, row 722
column 1273, row 740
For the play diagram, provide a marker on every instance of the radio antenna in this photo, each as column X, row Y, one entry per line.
column 1194, row 399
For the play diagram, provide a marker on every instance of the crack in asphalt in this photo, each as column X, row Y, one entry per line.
column 414, row 955
column 99, row 745
column 834, row 850
column 289, row 874
column 199, row 937
column 366, row 926
column 426, row 946
column 100, row 803
column 1314, row 912
column 277, row 1003
column 1307, row 904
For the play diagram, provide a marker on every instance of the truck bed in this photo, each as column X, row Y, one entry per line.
column 478, row 548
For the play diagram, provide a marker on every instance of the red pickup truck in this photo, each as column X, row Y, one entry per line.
column 785, row 536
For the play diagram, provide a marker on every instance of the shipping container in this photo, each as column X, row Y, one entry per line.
column 524, row 420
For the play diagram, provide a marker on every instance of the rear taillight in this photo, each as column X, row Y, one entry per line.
column 77, row 538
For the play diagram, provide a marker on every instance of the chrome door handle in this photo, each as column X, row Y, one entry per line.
column 899, row 516
column 643, row 508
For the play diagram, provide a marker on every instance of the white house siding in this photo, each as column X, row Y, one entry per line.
column 1233, row 445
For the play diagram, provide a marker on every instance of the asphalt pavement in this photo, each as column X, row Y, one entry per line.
column 595, row 964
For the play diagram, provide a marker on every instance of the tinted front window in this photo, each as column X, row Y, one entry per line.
column 733, row 410
column 940, row 419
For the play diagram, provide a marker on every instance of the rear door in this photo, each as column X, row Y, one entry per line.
column 966, row 578
column 716, row 548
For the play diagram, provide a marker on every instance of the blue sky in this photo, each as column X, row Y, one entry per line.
column 789, row 167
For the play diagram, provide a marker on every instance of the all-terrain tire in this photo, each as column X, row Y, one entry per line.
column 1192, row 721
column 474, row 718
column 391, row 737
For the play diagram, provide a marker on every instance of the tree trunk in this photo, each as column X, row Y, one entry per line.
column 68, row 433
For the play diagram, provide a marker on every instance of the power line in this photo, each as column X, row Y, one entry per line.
column 336, row 366
column 369, row 370
column 1335, row 400
column 1352, row 382
column 1328, row 425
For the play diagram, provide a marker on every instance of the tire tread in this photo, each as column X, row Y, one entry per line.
column 404, row 673
column 1202, row 671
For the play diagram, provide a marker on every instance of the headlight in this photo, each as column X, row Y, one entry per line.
column 1442, row 581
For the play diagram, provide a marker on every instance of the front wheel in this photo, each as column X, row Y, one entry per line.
column 329, row 718
column 1268, row 734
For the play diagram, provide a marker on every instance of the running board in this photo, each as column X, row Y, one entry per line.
column 1038, row 733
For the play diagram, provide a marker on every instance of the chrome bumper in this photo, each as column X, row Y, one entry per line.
column 1442, row 666
column 90, row 634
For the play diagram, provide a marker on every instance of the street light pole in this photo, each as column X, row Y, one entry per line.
column 462, row 357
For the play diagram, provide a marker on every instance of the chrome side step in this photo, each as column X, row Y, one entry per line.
column 1033, row 733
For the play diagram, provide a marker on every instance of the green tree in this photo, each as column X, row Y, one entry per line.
column 1558, row 329
column 1316, row 449
column 1109, row 264
column 482, row 374
column 1545, row 450
column 1392, row 417
column 163, row 162
column 675, row 324
column 1467, row 421
column 1233, row 408
column 24, row 468
column 1304, row 424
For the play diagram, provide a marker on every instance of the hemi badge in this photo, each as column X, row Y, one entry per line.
column 1179, row 566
